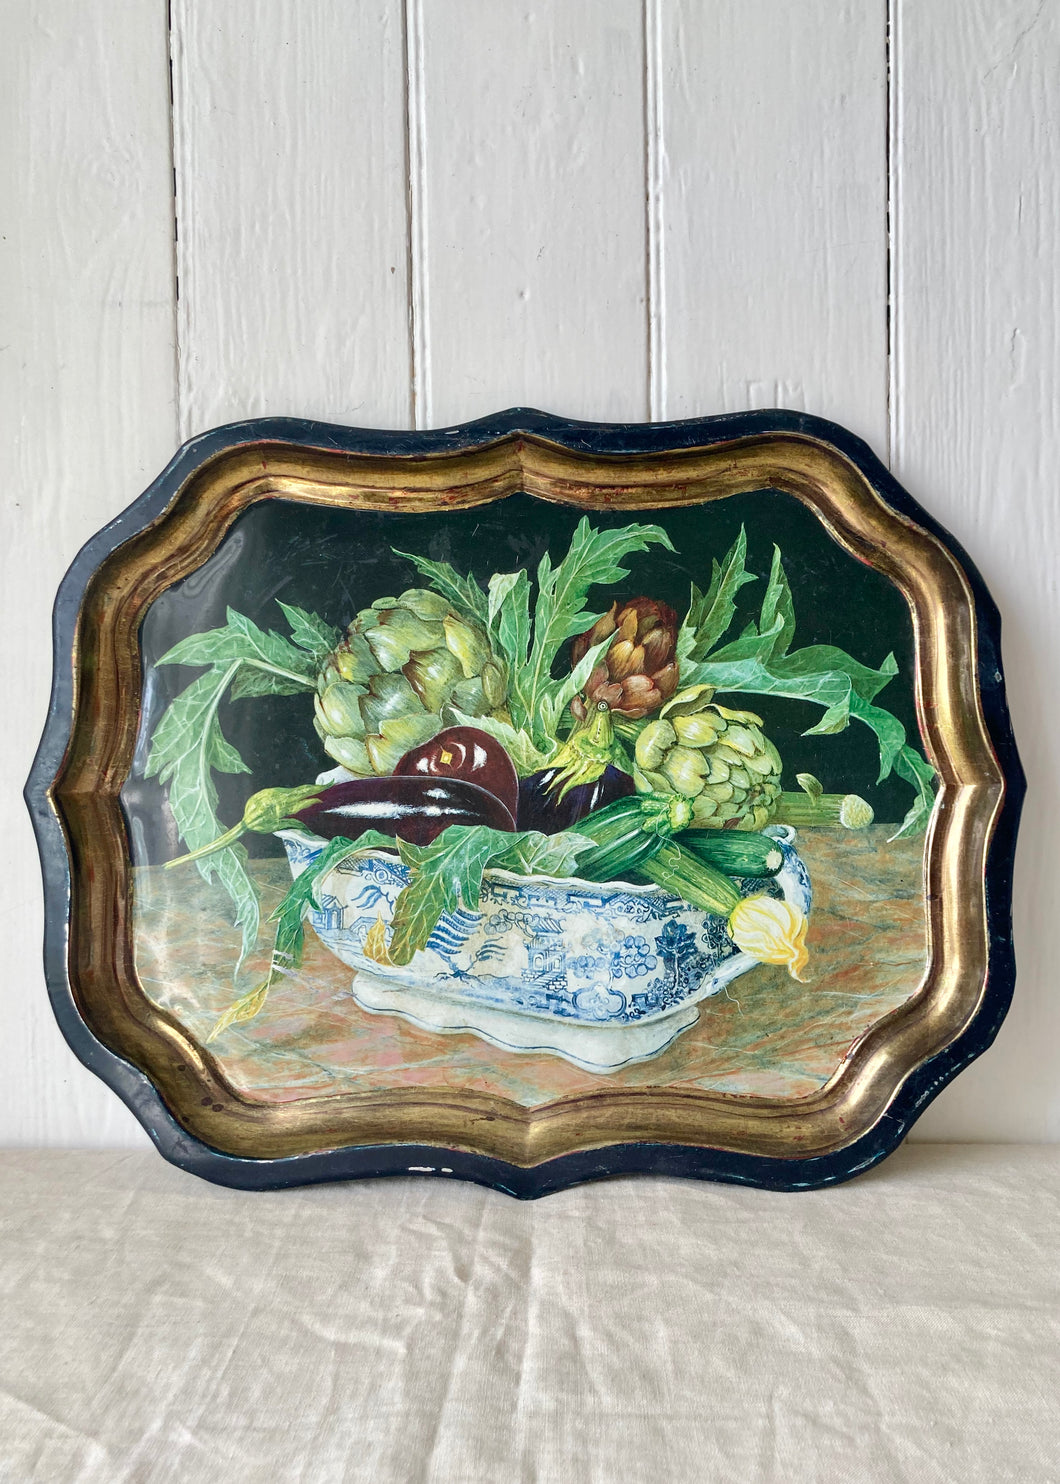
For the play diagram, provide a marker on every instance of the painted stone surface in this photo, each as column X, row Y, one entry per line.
column 766, row 1035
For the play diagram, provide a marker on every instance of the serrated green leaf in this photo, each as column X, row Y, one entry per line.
column 518, row 744
column 254, row 682
column 251, row 1004
column 500, row 588
column 235, row 1011
column 918, row 771
column 557, row 694
column 241, row 639
column 594, row 558
column 302, row 892
column 839, row 690
column 890, row 733
column 270, row 648
column 289, row 940
column 778, row 609
column 534, row 854
column 246, row 1008
column 819, row 658
column 836, row 719
column 309, row 631
column 709, row 616
column 819, row 672
column 759, row 663
column 232, row 873
column 445, row 874
column 751, row 645
column 188, row 745
column 186, row 749
column 448, row 873
column 509, row 621
column 463, row 592
column 185, row 726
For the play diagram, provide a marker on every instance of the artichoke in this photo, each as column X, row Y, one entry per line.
column 718, row 758
column 404, row 668
column 638, row 672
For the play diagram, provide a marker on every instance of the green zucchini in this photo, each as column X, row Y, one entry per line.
column 628, row 832
column 635, row 840
column 735, row 852
column 677, row 870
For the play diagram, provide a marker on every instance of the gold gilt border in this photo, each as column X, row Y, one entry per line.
column 191, row 1081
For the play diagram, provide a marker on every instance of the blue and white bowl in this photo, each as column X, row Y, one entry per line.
column 602, row 975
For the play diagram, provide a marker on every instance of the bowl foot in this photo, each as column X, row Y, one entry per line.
column 601, row 1049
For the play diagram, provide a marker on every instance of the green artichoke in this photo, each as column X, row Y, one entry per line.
column 405, row 666
column 720, row 759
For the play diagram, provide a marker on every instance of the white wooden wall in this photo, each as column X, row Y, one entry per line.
column 414, row 212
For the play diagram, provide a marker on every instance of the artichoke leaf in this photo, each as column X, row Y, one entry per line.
column 389, row 696
column 187, row 747
column 463, row 593
column 396, row 736
column 433, row 676
column 400, row 634
column 309, row 631
column 710, row 615
column 339, row 708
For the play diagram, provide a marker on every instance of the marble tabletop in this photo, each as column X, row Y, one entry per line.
column 766, row 1036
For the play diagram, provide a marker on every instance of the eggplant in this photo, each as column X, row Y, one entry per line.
column 414, row 809
column 546, row 806
column 470, row 755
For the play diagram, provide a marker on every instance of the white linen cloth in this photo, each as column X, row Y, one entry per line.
column 903, row 1327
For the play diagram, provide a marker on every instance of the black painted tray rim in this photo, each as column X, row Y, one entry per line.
column 366, row 1161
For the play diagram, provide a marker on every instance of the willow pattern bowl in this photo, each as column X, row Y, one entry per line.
column 602, row 975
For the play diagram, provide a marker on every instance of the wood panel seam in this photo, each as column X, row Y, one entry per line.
column 891, row 147
column 416, row 209
column 177, row 347
column 655, row 246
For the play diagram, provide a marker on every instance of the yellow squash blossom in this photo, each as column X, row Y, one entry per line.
column 772, row 931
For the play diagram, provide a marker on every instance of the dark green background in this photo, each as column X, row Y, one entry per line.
column 333, row 562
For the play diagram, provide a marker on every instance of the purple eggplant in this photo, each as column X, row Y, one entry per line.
column 415, row 809
column 468, row 754
column 545, row 805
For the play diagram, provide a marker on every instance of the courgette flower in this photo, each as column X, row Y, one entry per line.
column 772, row 931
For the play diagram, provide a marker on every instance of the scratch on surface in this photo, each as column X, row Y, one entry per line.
column 1021, row 36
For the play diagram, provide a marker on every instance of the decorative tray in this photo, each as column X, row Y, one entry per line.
column 527, row 802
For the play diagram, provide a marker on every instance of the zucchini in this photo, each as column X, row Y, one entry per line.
column 771, row 931
column 636, row 839
column 628, row 832
column 677, row 870
column 735, row 852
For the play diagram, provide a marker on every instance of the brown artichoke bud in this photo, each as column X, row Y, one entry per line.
column 639, row 671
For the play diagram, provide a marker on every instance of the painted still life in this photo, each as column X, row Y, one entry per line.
column 529, row 801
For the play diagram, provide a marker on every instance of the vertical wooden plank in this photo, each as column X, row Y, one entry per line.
column 977, row 435
column 289, row 141
column 772, row 273
column 87, row 381
column 532, row 200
